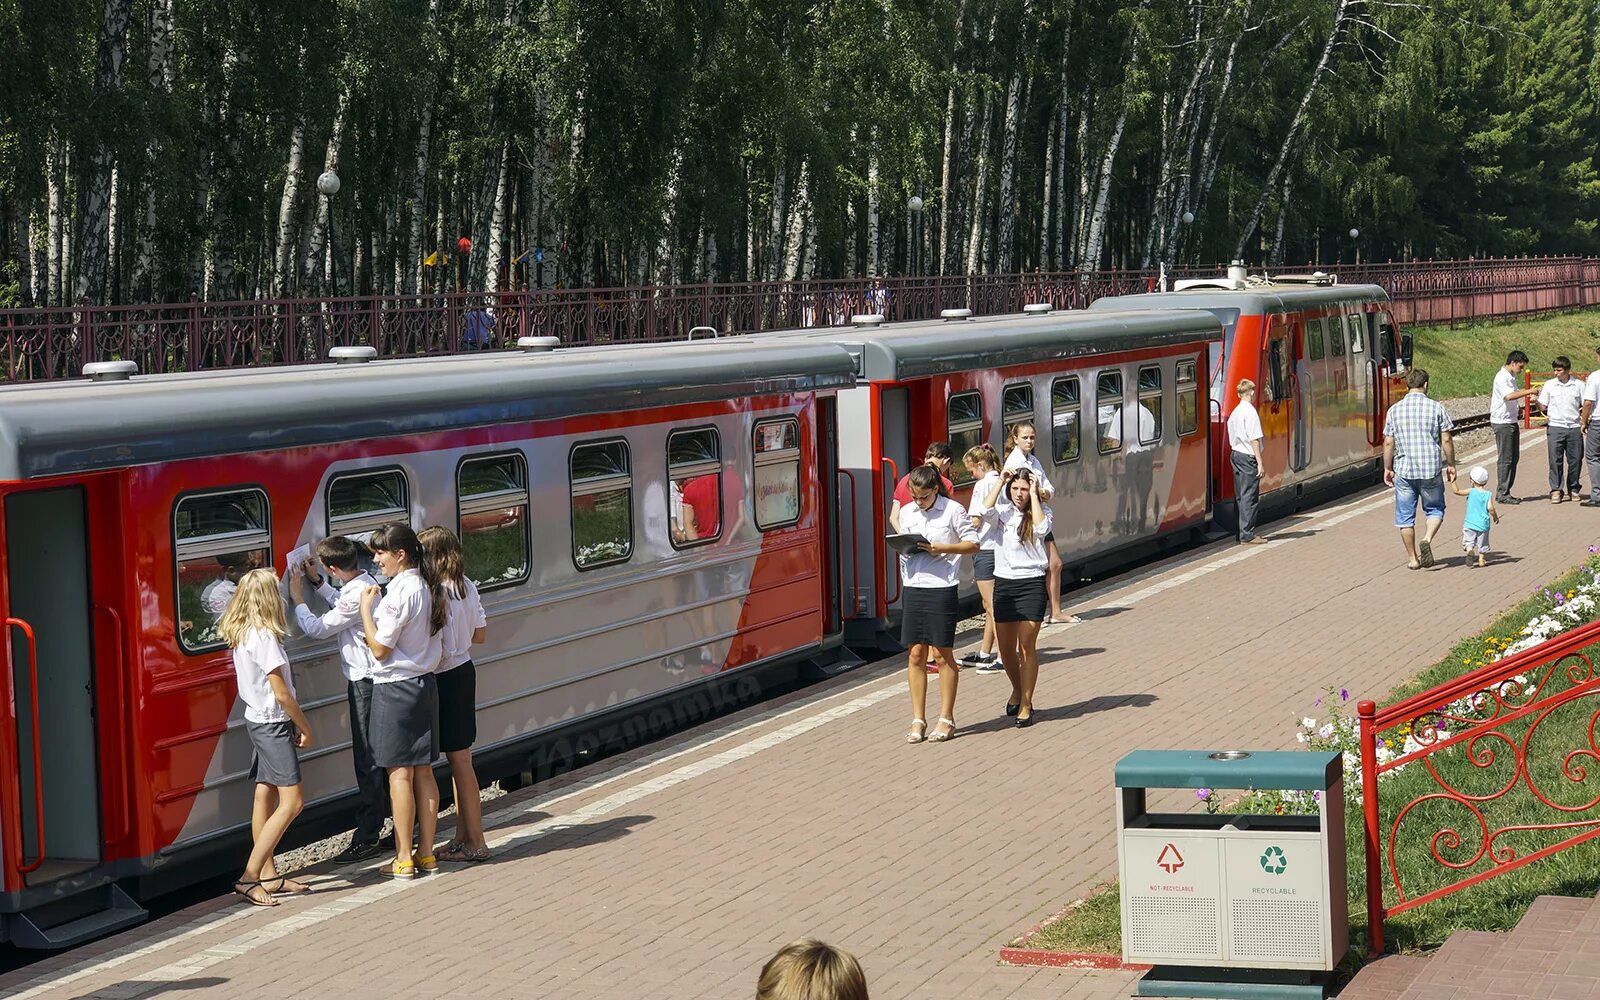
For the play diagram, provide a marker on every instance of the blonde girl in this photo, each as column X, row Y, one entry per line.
column 1020, row 442
column 984, row 467
column 1014, row 507
column 402, row 628
column 254, row 626
column 811, row 970
column 465, row 626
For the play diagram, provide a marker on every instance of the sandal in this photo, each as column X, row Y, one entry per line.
column 940, row 737
column 286, row 886
column 249, row 893
column 1425, row 554
column 919, row 731
column 426, row 862
column 399, row 869
column 459, row 854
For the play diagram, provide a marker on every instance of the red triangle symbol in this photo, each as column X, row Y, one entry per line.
column 1170, row 859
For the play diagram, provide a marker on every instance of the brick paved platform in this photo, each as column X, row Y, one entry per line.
column 674, row 872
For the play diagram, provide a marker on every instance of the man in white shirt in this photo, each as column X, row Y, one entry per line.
column 1591, row 442
column 1562, row 400
column 1245, row 436
column 1505, row 419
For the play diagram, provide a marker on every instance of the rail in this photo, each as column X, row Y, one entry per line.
column 42, row 344
column 1511, row 794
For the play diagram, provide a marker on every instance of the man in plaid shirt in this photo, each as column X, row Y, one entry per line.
column 1418, row 456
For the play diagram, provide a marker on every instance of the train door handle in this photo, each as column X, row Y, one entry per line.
column 38, row 769
column 891, row 566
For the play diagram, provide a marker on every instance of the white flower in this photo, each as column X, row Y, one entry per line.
column 1308, row 723
column 1301, row 737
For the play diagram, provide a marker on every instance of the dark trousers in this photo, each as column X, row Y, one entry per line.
column 1508, row 448
column 372, row 780
column 1591, row 455
column 1247, row 488
column 1565, row 447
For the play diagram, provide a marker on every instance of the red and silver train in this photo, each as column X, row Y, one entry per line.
column 645, row 522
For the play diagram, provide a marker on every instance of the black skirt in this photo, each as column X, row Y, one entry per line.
column 1020, row 600
column 983, row 565
column 928, row 617
column 458, row 707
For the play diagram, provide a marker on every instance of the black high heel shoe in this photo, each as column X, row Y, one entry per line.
column 1013, row 709
column 1024, row 722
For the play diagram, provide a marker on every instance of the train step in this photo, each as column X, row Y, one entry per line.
column 109, row 909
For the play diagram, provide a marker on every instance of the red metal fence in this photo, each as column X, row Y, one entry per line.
column 43, row 344
column 1489, row 787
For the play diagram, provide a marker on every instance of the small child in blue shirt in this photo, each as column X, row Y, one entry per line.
column 1481, row 511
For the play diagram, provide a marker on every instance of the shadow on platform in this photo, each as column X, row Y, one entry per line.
column 1069, row 654
column 132, row 988
column 1062, row 713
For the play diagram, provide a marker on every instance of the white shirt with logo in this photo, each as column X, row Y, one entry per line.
column 402, row 618
column 945, row 522
column 463, row 616
column 1017, row 460
column 1016, row 559
column 1563, row 401
column 988, row 533
column 253, row 659
column 343, row 618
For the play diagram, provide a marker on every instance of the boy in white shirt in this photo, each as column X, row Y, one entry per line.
column 1591, row 442
column 340, row 557
column 1244, row 439
column 1562, row 400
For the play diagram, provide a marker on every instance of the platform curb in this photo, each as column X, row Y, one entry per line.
column 1016, row 954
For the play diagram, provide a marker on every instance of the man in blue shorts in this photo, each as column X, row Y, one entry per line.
column 1418, row 456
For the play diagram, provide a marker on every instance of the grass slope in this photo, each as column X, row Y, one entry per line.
column 1463, row 362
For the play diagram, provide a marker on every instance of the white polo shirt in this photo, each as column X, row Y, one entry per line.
column 1244, row 426
column 1591, row 388
column 945, row 522
column 1563, row 401
column 402, row 618
column 1017, row 459
column 1016, row 559
column 988, row 534
column 253, row 659
column 463, row 616
column 343, row 619
column 1500, row 410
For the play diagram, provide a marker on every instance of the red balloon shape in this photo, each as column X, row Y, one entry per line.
column 464, row 245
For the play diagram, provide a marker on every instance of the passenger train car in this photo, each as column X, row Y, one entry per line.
column 1328, row 361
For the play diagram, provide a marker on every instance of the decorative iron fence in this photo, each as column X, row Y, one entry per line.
column 54, row 343
column 1488, row 786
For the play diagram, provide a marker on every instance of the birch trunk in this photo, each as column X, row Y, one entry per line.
column 1080, row 206
column 1005, row 251
column 283, row 260
column 111, row 47
column 1275, row 257
column 980, row 190
column 38, row 271
column 1057, row 174
column 1093, row 243
column 666, row 243
column 956, row 244
column 874, row 222
column 160, row 74
column 56, row 262
column 319, row 227
column 775, row 231
column 1291, row 140
column 493, row 253
column 799, row 217
column 947, row 169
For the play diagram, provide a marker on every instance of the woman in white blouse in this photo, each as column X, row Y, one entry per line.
column 1020, row 564
column 928, row 603
column 1020, row 442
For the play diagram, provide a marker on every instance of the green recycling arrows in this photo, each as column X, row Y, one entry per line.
column 1273, row 861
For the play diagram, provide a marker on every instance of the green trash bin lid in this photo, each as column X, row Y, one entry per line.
column 1302, row 770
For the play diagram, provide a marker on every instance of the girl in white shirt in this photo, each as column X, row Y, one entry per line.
column 1021, row 561
column 465, row 626
column 1019, row 449
column 928, row 602
column 984, row 466
column 254, row 625
column 402, row 627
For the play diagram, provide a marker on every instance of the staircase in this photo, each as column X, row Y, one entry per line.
column 1554, row 951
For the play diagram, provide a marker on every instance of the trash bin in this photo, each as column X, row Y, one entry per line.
column 1232, row 892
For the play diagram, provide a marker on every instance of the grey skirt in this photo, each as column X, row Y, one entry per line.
column 405, row 722
column 274, row 761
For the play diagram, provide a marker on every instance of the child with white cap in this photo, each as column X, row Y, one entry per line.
column 1481, row 511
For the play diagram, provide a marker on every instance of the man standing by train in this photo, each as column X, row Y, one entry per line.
column 1244, row 437
column 1505, row 419
column 1418, row 457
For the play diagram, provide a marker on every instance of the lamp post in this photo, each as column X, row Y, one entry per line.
column 914, row 206
column 1186, row 219
column 1355, row 234
column 328, row 186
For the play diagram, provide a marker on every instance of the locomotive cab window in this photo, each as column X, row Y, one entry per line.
column 1335, row 336
column 1188, row 399
column 1065, row 412
column 1149, row 412
column 1314, row 350
column 1353, row 324
column 492, row 508
column 1108, row 406
column 1016, row 405
column 963, row 429
column 218, row 538
column 602, row 504
column 694, row 472
column 365, row 501
column 1277, row 369
column 777, row 473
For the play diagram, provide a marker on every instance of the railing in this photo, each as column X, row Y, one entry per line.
column 54, row 343
column 1513, row 794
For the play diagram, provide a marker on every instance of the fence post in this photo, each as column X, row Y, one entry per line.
column 1367, row 711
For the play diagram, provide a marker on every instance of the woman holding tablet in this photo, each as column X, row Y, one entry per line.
column 929, row 574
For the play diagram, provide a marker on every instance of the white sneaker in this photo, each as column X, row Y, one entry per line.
column 991, row 664
column 972, row 659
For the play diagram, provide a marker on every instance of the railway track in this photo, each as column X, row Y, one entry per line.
column 1477, row 421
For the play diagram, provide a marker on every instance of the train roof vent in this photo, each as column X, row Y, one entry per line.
column 1320, row 279
column 538, row 345
column 1226, row 284
column 955, row 315
column 110, row 371
column 1037, row 308
column 867, row 319
column 359, row 355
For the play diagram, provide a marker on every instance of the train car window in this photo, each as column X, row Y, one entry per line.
column 1108, row 404
column 1016, row 405
column 1277, row 370
column 1353, row 324
column 963, row 429
column 492, row 518
column 1314, row 348
column 777, row 473
column 602, row 504
column 694, row 474
column 1188, row 399
column 1335, row 337
column 217, row 538
column 1149, row 404
column 365, row 501
column 1065, row 410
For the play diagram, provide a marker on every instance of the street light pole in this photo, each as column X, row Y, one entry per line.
column 328, row 185
column 1355, row 234
column 914, row 205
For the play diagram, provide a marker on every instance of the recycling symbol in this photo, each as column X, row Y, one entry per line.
column 1273, row 861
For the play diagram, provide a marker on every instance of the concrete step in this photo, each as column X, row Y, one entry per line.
column 1466, row 960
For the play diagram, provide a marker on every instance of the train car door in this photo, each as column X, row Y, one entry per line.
column 1276, row 406
column 50, row 620
column 1300, row 388
column 894, row 461
column 833, row 610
